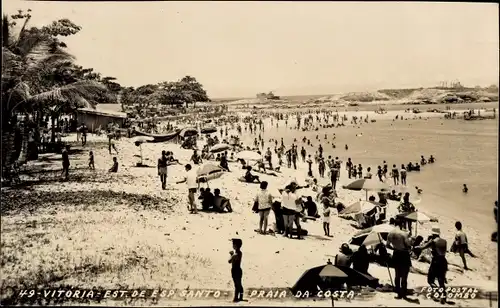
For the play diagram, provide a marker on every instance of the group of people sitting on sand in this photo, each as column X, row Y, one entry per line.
column 214, row 201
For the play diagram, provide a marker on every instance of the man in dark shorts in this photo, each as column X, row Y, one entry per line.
column 461, row 244
column 162, row 169
column 439, row 264
column 349, row 167
column 398, row 240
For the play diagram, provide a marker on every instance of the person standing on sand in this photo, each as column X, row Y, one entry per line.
column 439, row 264
column 395, row 174
column 380, row 173
column 290, row 204
column 349, row 166
column 360, row 171
column 289, row 158
column 403, row 174
column 399, row 242
column 111, row 143
column 334, row 175
column 65, row 163
column 321, row 167
column 264, row 201
column 162, row 169
column 91, row 161
column 309, row 163
column 326, row 201
column 236, row 271
column 190, row 180
column 461, row 244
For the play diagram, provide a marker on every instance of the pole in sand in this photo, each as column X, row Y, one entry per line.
column 387, row 264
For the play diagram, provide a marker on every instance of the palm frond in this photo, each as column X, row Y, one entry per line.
column 77, row 94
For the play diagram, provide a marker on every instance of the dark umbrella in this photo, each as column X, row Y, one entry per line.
column 321, row 277
column 333, row 277
column 366, row 185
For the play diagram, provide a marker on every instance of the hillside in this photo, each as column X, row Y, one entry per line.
column 416, row 96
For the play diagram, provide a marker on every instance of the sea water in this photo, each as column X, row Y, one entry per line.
column 466, row 152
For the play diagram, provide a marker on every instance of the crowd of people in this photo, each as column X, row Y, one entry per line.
column 291, row 208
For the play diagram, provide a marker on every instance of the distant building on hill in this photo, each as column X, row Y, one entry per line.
column 269, row 95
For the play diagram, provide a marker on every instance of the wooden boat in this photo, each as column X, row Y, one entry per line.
column 158, row 138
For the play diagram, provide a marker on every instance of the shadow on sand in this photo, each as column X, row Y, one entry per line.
column 17, row 200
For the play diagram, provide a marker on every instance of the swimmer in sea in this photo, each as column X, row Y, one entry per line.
column 419, row 190
column 465, row 189
column 346, row 147
column 431, row 159
column 422, row 160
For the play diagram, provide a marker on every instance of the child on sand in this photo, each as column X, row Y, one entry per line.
column 114, row 168
column 236, row 272
column 326, row 216
column 91, row 160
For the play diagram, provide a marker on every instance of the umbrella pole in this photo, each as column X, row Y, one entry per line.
column 333, row 301
column 387, row 264
column 366, row 195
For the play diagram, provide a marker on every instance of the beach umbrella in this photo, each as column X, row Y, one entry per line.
column 372, row 237
column 208, row 169
column 220, row 148
column 359, row 207
column 208, row 130
column 417, row 217
column 139, row 140
column 249, row 155
column 367, row 185
column 320, row 276
column 377, row 228
column 331, row 271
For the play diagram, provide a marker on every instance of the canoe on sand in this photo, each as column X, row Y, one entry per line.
column 159, row 138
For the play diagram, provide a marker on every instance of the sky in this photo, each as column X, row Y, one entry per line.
column 237, row 49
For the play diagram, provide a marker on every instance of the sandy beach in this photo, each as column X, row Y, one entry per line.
column 122, row 231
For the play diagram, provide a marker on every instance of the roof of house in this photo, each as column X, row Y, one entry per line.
column 106, row 113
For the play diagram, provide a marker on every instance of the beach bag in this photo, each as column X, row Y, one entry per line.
column 255, row 207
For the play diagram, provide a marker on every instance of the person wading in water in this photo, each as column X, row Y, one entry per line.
column 162, row 169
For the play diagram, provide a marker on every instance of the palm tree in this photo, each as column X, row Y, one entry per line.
column 27, row 59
